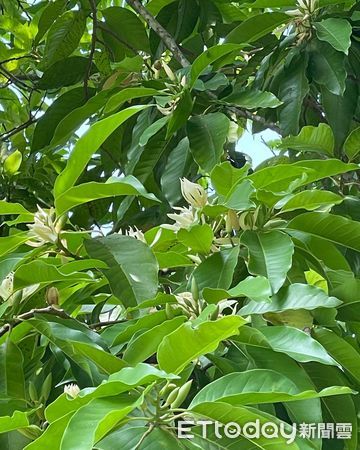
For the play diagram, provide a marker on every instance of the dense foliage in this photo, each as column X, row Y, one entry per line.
column 231, row 295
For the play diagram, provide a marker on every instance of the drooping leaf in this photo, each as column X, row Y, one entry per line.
column 187, row 342
column 207, row 135
column 270, row 255
column 336, row 32
column 130, row 281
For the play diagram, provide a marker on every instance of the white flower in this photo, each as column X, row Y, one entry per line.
column 72, row 390
column 193, row 193
column 44, row 229
column 7, row 285
column 135, row 233
column 185, row 219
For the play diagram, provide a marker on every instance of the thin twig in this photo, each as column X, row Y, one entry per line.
column 166, row 37
column 106, row 323
column 5, row 136
column 15, row 58
column 93, row 46
column 103, row 27
column 31, row 314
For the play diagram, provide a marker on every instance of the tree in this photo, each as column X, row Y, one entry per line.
column 148, row 273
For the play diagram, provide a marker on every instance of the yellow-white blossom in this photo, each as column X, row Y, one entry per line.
column 44, row 229
column 134, row 233
column 185, row 219
column 72, row 390
column 7, row 286
column 193, row 193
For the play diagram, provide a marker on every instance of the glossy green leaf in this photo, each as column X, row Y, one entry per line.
column 87, row 145
column 270, row 255
column 312, row 139
column 187, row 343
column 207, row 135
column 118, row 99
column 309, row 200
column 18, row 419
column 258, row 386
column 12, row 162
column 336, row 32
column 209, row 57
column 87, row 192
column 217, row 270
column 198, row 238
column 337, row 229
column 130, row 281
column 295, row 296
column 64, row 36
column 256, row 27
column 143, row 346
column 352, row 144
column 252, row 99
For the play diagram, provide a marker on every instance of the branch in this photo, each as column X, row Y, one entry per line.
column 93, row 47
column 255, row 118
column 166, row 37
column 5, row 136
column 31, row 314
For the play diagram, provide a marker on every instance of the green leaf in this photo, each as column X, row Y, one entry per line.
column 87, row 145
column 10, row 243
column 225, row 413
column 238, row 198
column 309, row 200
column 296, row 296
column 87, row 192
column 337, row 229
column 270, row 255
column 63, row 37
column 118, row 99
column 13, row 162
column 255, row 288
column 143, row 346
column 12, row 380
column 207, row 135
column 224, row 177
column 352, row 144
column 258, row 386
column 327, row 67
column 19, row 419
column 312, row 139
column 57, row 111
column 341, row 350
column 48, row 16
column 152, row 130
column 337, row 32
column 122, row 332
column 187, row 343
column 181, row 114
column 39, row 272
column 209, row 57
column 294, row 86
column 297, row 344
column 96, row 419
column 75, row 118
column 217, row 270
column 128, row 28
column 252, row 99
column 8, row 208
column 256, row 27
column 178, row 162
column 129, row 280
column 65, row 72
column 198, row 238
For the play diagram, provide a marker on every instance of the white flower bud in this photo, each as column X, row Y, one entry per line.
column 193, row 193
column 72, row 390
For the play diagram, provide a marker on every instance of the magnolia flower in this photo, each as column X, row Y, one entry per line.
column 44, row 229
column 193, row 193
column 7, row 285
column 185, row 219
column 72, row 390
column 134, row 233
